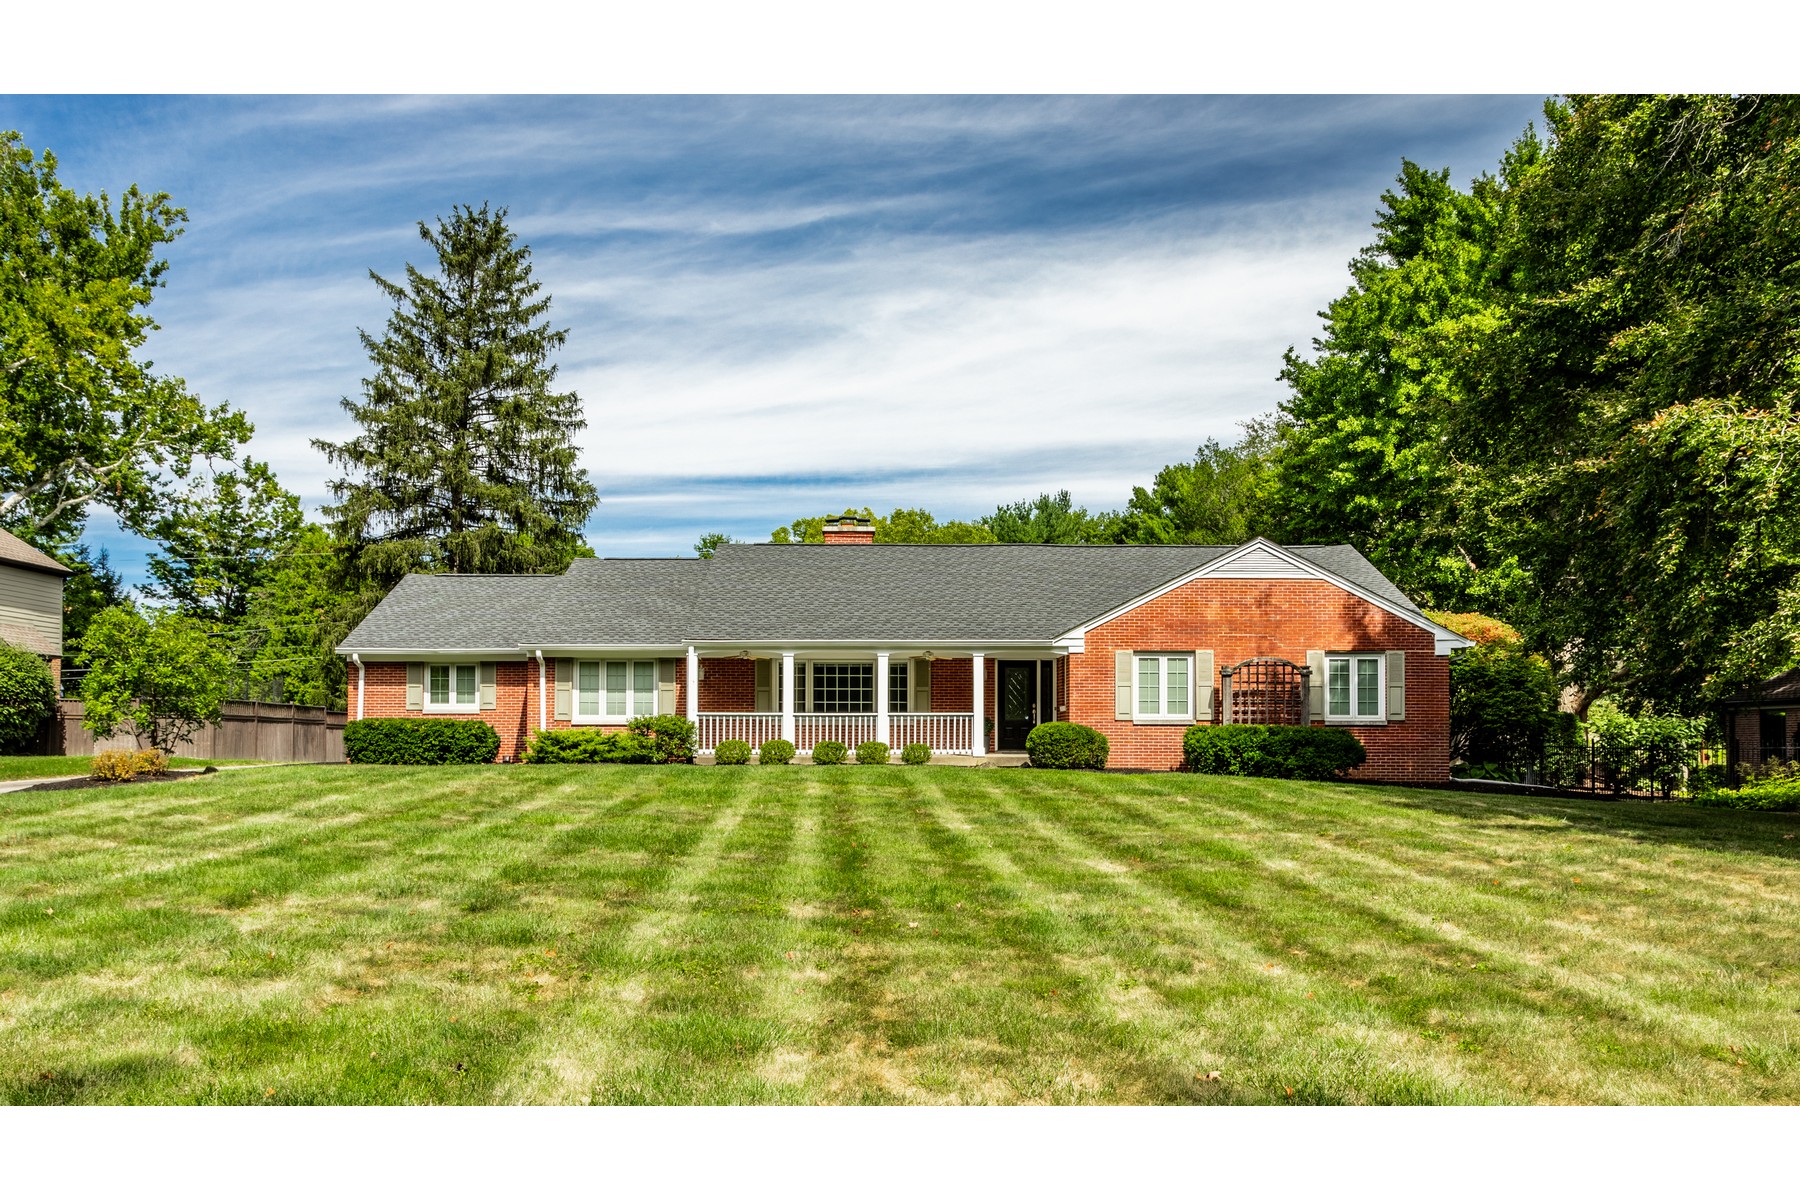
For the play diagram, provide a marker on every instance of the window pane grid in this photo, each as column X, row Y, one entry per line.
column 843, row 687
column 465, row 685
column 1368, row 687
column 1149, row 685
column 1178, row 687
column 440, row 685
column 1337, row 687
column 643, row 680
column 615, row 689
column 897, row 687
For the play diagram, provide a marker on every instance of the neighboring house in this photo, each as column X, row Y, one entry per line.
column 1762, row 722
column 31, row 600
column 963, row 648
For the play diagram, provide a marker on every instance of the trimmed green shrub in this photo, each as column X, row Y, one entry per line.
column 1067, row 746
column 27, row 698
column 1271, row 751
column 1778, row 792
column 672, row 737
column 916, row 755
column 589, row 746
column 732, row 752
column 775, row 752
column 829, row 754
column 872, row 754
column 419, row 741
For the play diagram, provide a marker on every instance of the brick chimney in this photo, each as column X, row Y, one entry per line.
column 849, row 530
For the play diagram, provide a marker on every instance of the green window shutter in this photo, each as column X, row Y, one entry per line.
column 490, row 686
column 665, row 685
column 919, row 672
column 765, row 685
column 1122, row 684
column 1315, row 702
column 565, row 679
column 1204, row 675
column 1396, row 685
column 415, row 686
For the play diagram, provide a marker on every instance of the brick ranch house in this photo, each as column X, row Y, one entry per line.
column 961, row 647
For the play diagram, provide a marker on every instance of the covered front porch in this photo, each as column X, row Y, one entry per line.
column 957, row 701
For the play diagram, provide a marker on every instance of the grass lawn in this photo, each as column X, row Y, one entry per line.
column 48, row 766
column 891, row 935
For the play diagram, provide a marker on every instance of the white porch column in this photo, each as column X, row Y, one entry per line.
column 787, row 695
column 978, row 684
column 882, row 724
column 693, row 685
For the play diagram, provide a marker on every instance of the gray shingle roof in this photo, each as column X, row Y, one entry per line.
column 16, row 551
column 803, row 593
column 450, row 612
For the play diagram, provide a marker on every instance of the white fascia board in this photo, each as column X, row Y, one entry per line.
column 439, row 654
column 1443, row 640
column 660, row 650
column 872, row 645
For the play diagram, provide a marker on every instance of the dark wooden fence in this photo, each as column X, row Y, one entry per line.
column 250, row 730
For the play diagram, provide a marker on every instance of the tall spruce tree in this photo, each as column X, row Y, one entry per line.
column 466, row 459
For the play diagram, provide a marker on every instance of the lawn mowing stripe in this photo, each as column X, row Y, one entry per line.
column 569, row 1059
column 1447, row 1080
column 292, row 976
column 1627, row 1010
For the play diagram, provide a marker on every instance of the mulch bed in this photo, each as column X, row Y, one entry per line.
column 69, row 785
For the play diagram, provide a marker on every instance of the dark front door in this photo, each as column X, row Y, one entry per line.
column 1018, row 703
column 1774, row 738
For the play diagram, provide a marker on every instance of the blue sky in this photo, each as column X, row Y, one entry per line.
column 781, row 306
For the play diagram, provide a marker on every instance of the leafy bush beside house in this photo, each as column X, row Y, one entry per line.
column 829, row 754
column 672, row 737
column 1066, row 746
column 775, row 752
column 27, row 698
column 870, row 754
column 732, row 752
column 1271, row 751
column 1646, row 751
column 419, row 741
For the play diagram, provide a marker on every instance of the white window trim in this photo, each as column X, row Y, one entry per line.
column 1138, row 716
column 1380, row 659
column 604, row 717
column 451, row 706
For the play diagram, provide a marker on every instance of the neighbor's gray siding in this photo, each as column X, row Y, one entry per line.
column 34, row 599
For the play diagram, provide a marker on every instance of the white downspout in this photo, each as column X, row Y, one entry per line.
column 543, row 710
column 360, row 685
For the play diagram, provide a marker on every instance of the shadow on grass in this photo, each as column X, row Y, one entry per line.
column 1666, row 824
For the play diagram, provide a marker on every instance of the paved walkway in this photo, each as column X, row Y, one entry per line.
column 19, row 785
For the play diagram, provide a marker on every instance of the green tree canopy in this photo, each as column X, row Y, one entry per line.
column 157, row 674
column 302, row 608
column 221, row 540
column 1220, row 498
column 93, row 587
column 904, row 526
column 465, row 459
column 1048, row 518
column 83, row 419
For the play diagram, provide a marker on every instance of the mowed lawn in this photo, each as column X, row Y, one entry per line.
column 885, row 935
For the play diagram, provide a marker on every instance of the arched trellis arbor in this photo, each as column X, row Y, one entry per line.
column 1263, row 691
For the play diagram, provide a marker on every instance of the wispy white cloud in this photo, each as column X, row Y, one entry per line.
column 782, row 305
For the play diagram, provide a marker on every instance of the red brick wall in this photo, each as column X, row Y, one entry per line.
column 515, row 714
column 1247, row 618
column 730, row 684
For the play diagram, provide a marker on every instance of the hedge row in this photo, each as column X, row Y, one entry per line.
column 665, row 739
column 1271, row 751
column 419, row 741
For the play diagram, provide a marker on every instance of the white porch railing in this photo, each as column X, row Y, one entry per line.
column 945, row 733
column 755, row 728
column 851, row 729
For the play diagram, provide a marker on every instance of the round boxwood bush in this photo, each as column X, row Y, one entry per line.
column 776, row 752
column 1066, row 746
column 829, row 754
column 916, row 754
column 732, row 752
column 872, row 754
column 27, row 697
